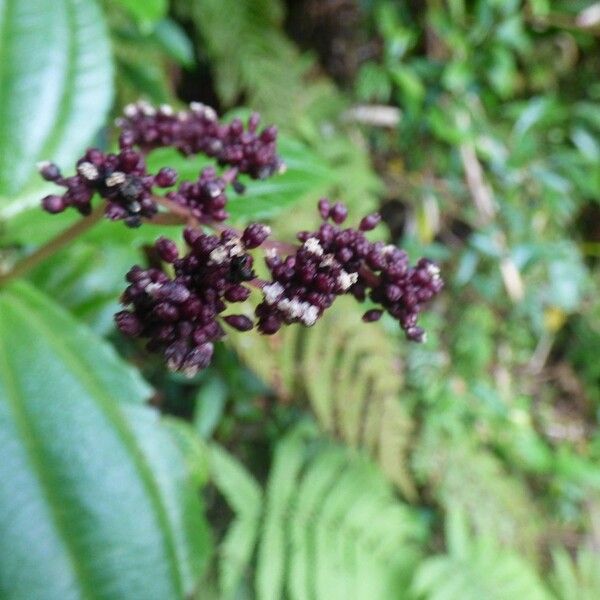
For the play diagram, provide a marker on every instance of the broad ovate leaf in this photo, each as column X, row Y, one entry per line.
column 55, row 84
column 97, row 499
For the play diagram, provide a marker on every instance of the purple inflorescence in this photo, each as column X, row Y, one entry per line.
column 122, row 179
column 334, row 261
column 179, row 315
column 178, row 310
column 198, row 130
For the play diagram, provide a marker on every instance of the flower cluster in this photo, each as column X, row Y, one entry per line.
column 333, row 261
column 123, row 181
column 198, row 130
column 179, row 308
column 179, row 315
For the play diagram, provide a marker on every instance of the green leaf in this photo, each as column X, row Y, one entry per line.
column 305, row 175
column 55, row 83
column 577, row 577
column 173, row 40
column 145, row 12
column 96, row 499
column 476, row 568
column 210, row 404
column 271, row 554
column 352, row 380
column 244, row 495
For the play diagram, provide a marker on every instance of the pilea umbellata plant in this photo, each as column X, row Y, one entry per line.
column 196, row 402
column 177, row 307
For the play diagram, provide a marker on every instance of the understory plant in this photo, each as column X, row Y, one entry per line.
column 176, row 305
column 345, row 349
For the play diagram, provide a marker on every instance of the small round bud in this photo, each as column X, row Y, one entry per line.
column 236, row 127
column 53, row 204
column 370, row 222
column 324, row 208
column 255, row 234
column 372, row 315
column 126, row 140
column 173, row 292
column 416, row 334
column 253, row 122
column 338, row 213
column 166, row 312
column 191, row 235
column 197, row 359
column 49, row 171
column 269, row 134
column 128, row 323
column 167, row 249
column 269, row 325
column 239, row 322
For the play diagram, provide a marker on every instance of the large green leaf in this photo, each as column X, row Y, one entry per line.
column 55, row 83
column 96, row 498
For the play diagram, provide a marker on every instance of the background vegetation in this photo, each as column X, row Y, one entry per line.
column 338, row 461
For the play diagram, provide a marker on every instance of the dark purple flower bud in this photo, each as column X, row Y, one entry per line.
column 239, row 322
column 171, row 292
column 269, row 325
column 175, row 355
column 236, row 127
column 255, row 234
column 393, row 292
column 191, row 235
column 269, row 134
column 344, row 255
column 324, row 208
column 53, row 204
column 237, row 293
column 128, row 323
column 166, row 177
column 196, row 359
column 49, row 171
column 416, row 334
column 324, row 283
column 253, row 122
column 370, row 222
column 167, row 249
column 338, row 213
column 126, row 140
column 372, row 315
column 166, row 312
column 114, row 212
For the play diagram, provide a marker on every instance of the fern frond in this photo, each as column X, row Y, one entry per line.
column 331, row 527
column 476, row 568
column 255, row 60
column 465, row 475
column 252, row 56
column 576, row 578
column 244, row 496
column 352, row 378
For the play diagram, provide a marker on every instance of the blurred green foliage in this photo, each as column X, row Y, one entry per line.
column 337, row 461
